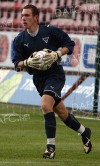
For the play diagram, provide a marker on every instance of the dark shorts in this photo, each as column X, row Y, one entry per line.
column 50, row 84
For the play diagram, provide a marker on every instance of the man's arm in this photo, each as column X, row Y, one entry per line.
column 64, row 51
column 21, row 64
column 62, row 40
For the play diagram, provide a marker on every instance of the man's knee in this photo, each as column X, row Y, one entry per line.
column 47, row 103
column 45, row 108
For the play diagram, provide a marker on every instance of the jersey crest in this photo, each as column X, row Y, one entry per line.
column 45, row 39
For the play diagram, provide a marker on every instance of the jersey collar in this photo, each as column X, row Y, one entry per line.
column 34, row 33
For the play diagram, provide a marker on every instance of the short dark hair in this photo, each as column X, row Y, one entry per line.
column 33, row 8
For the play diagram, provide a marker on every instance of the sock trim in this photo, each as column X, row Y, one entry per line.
column 51, row 141
column 81, row 129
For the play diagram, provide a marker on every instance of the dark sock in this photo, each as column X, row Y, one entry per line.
column 72, row 122
column 50, row 124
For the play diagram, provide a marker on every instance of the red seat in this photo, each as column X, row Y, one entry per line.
column 10, row 19
column 69, row 3
column 48, row 18
column 17, row 21
column 41, row 17
column 53, row 6
column 69, row 25
column 11, row 6
column 6, row 21
column 85, row 23
column 46, row 6
column 93, row 25
column 89, row 8
column 39, row 4
column 93, row 8
column 77, row 24
column 54, row 22
column 76, row 2
column 64, row 24
column 24, row 4
column 61, row 3
column 18, row 6
column 3, row 20
column 3, row 5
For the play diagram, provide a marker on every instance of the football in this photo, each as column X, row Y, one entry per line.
column 41, row 54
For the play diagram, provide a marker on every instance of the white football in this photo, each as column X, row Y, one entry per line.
column 41, row 54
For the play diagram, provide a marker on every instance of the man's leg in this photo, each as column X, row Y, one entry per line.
column 74, row 124
column 50, row 125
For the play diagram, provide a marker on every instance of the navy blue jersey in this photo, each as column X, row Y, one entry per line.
column 48, row 37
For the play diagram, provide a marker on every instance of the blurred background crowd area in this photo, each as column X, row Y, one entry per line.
column 72, row 16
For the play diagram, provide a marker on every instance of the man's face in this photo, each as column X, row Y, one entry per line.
column 28, row 19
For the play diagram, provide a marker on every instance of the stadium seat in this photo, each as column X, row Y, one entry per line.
column 10, row 19
column 41, row 17
column 53, row 5
column 64, row 24
column 76, row 3
column 10, row 6
column 54, row 22
column 3, row 20
column 33, row 2
column 46, row 7
column 61, row 3
column 85, row 22
column 69, row 25
column 48, row 18
column 94, row 8
column 6, row 22
column 89, row 8
column 39, row 4
column 93, row 25
column 60, row 22
column 18, row 6
column 69, row 3
column 3, row 5
column 77, row 24
column 17, row 21
column 25, row 2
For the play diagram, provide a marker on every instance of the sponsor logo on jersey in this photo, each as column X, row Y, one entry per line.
column 51, row 87
column 26, row 44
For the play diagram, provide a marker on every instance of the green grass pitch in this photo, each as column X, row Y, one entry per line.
column 23, row 141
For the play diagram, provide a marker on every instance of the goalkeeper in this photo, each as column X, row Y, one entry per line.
column 50, row 82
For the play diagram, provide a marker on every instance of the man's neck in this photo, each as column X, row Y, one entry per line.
column 33, row 29
column 33, row 32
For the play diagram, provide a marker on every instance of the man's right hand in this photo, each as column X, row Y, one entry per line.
column 27, row 61
column 33, row 61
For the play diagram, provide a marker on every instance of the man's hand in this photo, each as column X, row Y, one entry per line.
column 33, row 62
column 52, row 56
column 27, row 61
column 49, row 57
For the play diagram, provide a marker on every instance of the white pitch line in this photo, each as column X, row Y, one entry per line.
column 87, row 118
column 12, row 114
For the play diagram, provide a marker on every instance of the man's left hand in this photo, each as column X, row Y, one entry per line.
column 52, row 55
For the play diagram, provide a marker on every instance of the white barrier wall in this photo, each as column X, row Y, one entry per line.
column 18, row 88
column 82, row 60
